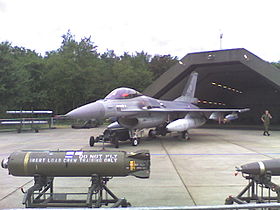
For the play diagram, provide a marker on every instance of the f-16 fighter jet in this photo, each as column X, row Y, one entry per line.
column 135, row 111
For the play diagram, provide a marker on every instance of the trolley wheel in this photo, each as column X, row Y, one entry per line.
column 125, row 205
column 229, row 201
column 91, row 141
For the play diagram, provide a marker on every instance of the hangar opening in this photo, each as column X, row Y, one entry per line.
column 234, row 78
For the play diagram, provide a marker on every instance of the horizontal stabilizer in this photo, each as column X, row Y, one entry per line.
column 185, row 110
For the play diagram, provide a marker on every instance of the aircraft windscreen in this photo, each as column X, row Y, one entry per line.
column 123, row 93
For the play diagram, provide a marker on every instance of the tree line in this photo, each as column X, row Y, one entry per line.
column 72, row 75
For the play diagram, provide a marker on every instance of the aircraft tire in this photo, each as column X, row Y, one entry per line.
column 115, row 142
column 152, row 133
column 91, row 141
column 185, row 136
column 163, row 133
column 135, row 141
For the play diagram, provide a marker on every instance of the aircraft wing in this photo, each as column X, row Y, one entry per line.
column 185, row 110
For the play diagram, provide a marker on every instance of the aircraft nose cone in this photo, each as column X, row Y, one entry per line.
column 90, row 111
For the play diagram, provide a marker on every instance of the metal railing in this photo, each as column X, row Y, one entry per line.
column 236, row 206
column 27, row 119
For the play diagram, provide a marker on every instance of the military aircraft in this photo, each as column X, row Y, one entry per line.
column 135, row 111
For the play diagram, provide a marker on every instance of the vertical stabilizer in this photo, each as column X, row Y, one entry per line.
column 189, row 90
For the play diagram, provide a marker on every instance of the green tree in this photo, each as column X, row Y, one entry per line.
column 132, row 71
column 277, row 65
column 31, row 70
column 71, row 73
column 160, row 64
column 19, row 86
column 8, row 77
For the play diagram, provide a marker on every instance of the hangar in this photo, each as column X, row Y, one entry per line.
column 233, row 78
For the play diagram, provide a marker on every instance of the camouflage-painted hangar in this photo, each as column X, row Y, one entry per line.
column 234, row 78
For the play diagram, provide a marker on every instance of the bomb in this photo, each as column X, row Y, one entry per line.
column 262, row 167
column 78, row 163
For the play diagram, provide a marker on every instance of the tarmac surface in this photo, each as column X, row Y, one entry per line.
column 183, row 173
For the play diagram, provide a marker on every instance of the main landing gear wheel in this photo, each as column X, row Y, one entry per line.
column 91, row 141
column 185, row 135
column 152, row 133
column 116, row 144
column 135, row 141
column 115, row 141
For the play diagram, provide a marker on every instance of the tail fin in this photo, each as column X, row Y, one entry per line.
column 189, row 90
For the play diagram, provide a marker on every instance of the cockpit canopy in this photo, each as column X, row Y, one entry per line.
column 123, row 93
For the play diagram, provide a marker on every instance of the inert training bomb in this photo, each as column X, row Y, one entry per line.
column 263, row 167
column 78, row 163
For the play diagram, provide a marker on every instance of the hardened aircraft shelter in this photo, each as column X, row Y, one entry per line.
column 227, row 79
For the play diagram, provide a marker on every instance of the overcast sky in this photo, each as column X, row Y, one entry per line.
column 174, row 27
